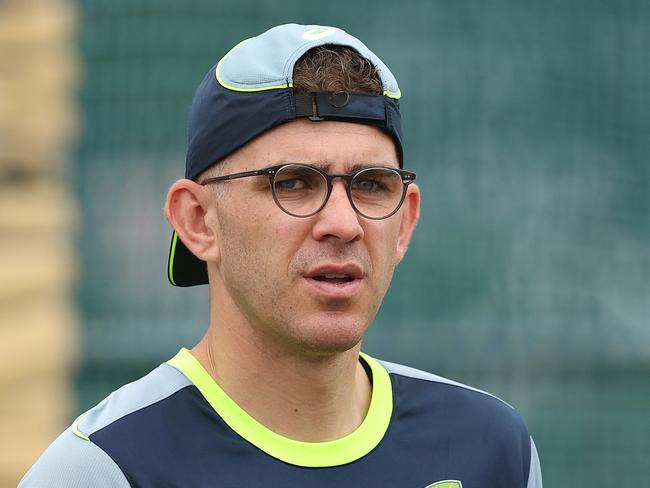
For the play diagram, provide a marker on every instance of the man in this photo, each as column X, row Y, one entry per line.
column 296, row 210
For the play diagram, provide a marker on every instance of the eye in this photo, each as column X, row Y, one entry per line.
column 367, row 184
column 290, row 184
column 294, row 178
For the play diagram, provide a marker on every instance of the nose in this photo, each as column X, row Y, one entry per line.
column 338, row 218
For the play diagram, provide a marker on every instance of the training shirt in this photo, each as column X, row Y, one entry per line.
column 176, row 427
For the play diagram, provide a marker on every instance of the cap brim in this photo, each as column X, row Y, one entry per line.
column 184, row 268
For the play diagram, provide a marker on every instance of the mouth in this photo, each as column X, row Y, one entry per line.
column 333, row 278
column 335, row 281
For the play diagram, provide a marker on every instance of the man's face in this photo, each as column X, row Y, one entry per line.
column 310, row 284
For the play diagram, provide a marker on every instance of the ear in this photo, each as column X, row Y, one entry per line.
column 186, row 208
column 410, row 217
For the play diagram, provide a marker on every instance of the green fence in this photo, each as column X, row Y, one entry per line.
column 529, row 126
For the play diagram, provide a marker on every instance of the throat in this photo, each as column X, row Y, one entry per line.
column 304, row 398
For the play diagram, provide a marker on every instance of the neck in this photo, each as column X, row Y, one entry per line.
column 301, row 395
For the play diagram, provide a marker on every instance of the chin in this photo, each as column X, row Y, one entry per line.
column 331, row 334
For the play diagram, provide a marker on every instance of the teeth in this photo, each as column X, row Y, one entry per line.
column 335, row 276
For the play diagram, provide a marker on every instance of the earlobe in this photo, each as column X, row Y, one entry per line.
column 410, row 217
column 186, row 208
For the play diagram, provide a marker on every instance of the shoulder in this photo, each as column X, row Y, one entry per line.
column 422, row 387
column 72, row 462
column 433, row 379
column 75, row 459
column 157, row 386
column 474, row 421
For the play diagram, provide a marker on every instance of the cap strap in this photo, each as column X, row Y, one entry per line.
column 341, row 105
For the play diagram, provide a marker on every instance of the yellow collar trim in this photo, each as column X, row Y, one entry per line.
column 308, row 454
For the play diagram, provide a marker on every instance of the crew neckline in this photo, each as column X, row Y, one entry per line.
column 300, row 453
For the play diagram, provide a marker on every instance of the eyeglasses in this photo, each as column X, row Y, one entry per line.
column 302, row 190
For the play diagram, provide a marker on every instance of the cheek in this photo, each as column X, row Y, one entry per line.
column 260, row 242
column 383, row 247
column 245, row 267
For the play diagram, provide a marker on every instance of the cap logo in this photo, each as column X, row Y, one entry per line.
column 318, row 33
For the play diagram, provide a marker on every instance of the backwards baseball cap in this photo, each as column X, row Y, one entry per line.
column 251, row 91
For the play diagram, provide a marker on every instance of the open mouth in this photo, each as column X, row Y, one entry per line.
column 334, row 278
column 336, row 281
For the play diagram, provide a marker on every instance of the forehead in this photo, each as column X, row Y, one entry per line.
column 327, row 144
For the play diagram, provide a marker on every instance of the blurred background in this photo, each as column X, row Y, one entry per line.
column 528, row 124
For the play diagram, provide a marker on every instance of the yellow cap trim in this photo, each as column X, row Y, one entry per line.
column 395, row 95
column 172, row 255
column 308, row 454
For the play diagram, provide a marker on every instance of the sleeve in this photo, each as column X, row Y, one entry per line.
column 73, row 462
column 535, row 470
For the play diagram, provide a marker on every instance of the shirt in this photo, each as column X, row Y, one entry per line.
column 176, row 427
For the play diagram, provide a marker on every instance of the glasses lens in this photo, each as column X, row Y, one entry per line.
column 377, row 192
column 299, row 190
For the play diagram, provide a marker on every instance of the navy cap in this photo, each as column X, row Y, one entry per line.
column 251, row 91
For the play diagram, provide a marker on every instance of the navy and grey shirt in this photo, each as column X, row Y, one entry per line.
column 176, row 427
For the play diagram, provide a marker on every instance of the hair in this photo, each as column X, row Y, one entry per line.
column 335, row 68
column 325, row 68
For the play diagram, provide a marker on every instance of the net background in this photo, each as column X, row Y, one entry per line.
column 529, row 274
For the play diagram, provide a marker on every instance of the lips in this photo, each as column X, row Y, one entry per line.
column 335, row 281
column 334, row 278
column 334, row 272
